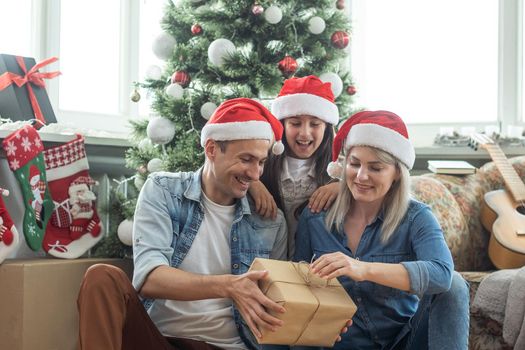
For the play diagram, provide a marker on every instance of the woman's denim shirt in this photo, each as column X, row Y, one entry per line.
column 168, row 216
column 417, row 244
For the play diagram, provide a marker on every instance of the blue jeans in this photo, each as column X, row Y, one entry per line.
column 441, row 322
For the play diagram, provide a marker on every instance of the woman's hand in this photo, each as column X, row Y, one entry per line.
column 265, row 205
column 323, row 197
column 337, row 264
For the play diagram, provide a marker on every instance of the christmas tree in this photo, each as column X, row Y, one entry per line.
column 217, row 50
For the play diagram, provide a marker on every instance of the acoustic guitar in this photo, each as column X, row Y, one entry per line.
column 503, row 212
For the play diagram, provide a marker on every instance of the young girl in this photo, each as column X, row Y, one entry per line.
column 306, row 108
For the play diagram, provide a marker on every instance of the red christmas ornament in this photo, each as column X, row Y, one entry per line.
column 340, row 4
column 181, row 77
column 351, row 90
column 257, row 9
column 340, row 39
column 287, row 66
column 196, row 29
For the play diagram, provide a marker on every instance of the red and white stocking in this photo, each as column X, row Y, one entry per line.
column 9, row 238
column 74, row 226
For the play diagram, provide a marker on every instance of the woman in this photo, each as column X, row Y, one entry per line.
column 386, row 249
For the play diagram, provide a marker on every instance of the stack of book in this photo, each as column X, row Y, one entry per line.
column 452, row 167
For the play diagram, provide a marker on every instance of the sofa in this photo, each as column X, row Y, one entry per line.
column 456, row 201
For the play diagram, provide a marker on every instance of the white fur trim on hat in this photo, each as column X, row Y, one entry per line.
column 335, row 170
column 305, row 104
column 383, row 138
column 249, row 130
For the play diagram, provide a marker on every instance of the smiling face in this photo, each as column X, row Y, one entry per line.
column 231, row 170
column 304, row 134
column 368, row 178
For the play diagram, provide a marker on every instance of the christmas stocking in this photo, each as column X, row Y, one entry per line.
column 8, row 235
column 24, row 154
column 75, row 226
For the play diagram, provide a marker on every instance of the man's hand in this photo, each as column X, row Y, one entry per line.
column 264, row 202
column 323, row 197
column 252, row 303
column 344, row 330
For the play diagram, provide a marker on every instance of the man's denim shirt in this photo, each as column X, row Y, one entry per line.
column 168, row 216
column 417, row 244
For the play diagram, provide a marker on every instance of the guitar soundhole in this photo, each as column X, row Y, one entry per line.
column 521, row 209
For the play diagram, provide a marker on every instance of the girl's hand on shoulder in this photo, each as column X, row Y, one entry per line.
column 323, row 197
column 337, row 264
column 265, row 205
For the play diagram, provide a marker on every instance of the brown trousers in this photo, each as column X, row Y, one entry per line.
column 111, row 316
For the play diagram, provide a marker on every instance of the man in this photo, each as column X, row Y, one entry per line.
column 194, row 238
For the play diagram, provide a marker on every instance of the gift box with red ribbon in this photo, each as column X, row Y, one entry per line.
column 22, row 89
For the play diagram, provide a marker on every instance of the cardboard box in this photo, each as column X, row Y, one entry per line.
column 14, row 101
column 38, row 301
column 316, row 310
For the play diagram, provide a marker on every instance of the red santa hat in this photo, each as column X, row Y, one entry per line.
column 243, row 119
column 34, row 175
column 306, row 96
column 380, row 129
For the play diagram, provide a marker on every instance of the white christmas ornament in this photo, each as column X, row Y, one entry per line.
column 335, row 80
column 163, row 45
column 207, row 110
column 273, row 14
column 145, row 144
column 316, row 25
column 175, row 91
column 125, row 232
column 153, row 72
column 160, row 130
column 220, row 49
column 138, row 182
column 154, row 165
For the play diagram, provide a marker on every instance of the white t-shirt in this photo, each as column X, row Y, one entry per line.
column 208, row 320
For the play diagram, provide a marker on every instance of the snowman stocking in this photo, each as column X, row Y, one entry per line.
column 75, row 226
column 24, row 154
column 8, row 235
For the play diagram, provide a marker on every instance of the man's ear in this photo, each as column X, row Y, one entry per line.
column 211, row 148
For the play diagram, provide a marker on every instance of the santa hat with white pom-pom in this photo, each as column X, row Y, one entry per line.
column 379, row 129
column 243, row 119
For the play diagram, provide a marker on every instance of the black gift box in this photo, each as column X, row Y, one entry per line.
column 14, row 100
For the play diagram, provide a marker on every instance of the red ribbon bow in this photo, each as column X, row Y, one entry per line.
column 33, row 76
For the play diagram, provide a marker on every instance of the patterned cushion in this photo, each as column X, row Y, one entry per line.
column 432, row 192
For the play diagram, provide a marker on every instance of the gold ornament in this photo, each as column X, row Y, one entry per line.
column 135, row 96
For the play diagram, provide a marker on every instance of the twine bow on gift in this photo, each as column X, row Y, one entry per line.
column 33, row 76
column 305, row 271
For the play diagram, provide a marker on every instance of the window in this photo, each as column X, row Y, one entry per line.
column 429, row 61
column 100, row 52
column 19, row 42
column 438, row 63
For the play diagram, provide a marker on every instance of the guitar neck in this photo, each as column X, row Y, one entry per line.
column 510, row 176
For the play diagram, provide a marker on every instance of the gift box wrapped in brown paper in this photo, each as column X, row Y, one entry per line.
column 316, row 310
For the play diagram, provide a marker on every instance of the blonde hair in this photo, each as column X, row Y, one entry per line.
column 395, row 203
